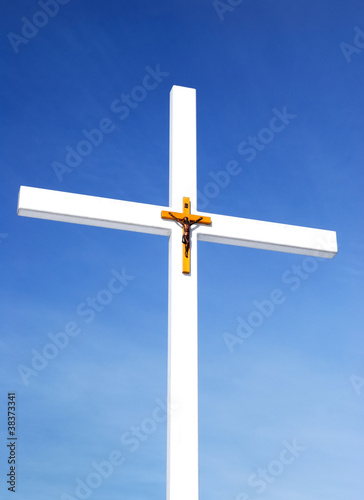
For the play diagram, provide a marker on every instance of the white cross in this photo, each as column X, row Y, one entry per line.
column 182, row 441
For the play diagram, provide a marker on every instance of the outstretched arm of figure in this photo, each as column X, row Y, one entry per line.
column 177, row 220
column 196, row 221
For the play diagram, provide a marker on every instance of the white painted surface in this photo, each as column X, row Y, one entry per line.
column 268, row 236
column 182, row 442
column 182, row 147
column 182, row 437
column 91, row 210
column 130, row 216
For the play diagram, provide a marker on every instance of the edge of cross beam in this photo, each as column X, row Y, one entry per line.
column 269, row 236
column 90, row 210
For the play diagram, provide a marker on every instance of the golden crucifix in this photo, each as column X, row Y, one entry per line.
column 186, row 220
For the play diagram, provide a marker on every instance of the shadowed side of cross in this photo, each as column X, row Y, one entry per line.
column 182, row 424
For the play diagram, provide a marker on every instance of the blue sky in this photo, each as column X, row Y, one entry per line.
column 281, row 410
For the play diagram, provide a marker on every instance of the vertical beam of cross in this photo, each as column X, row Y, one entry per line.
column 182, row 433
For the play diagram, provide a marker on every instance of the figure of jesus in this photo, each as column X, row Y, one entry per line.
column 186, row 224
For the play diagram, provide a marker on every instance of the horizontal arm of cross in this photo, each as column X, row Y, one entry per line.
column 91, row 210
column 269, row 236
column 140, row 217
